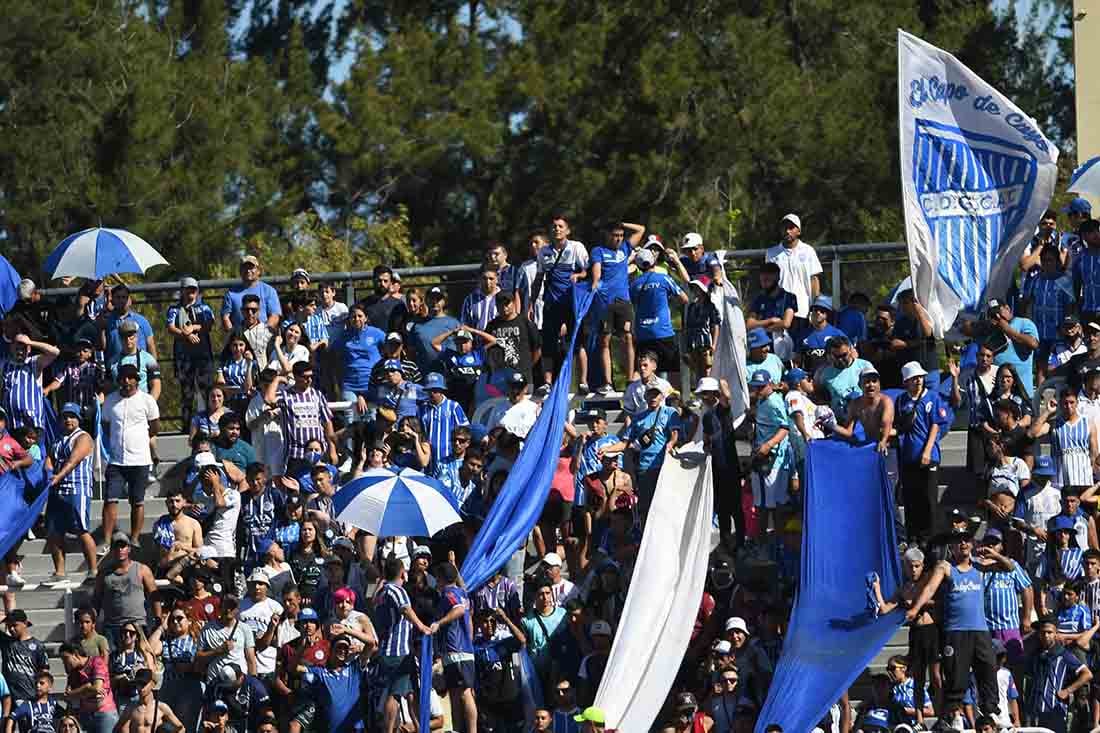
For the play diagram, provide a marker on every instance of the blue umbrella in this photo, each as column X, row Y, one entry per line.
column 389, row 504
column 96, row 253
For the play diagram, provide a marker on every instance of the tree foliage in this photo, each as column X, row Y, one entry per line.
column 214, row 127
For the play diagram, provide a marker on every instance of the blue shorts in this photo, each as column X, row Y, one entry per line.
column 68, row 514
column 127, row 482
column 396, row 674
column 460, row 675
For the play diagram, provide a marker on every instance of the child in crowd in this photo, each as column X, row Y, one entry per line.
column 238, row 373
column 701, row 322
column 903, row 693
column 1037, row 503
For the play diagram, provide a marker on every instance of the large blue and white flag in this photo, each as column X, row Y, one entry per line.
column 977, row 174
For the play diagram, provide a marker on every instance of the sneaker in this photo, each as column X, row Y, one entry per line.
column 582, row 389
column 543, row 391
column 56, row 579
column 89, row 577
column 605, row 390
column 15, row 578
column 153, row 473
column 102, row 551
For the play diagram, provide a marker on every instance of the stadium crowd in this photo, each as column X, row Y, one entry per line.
column 253, row 608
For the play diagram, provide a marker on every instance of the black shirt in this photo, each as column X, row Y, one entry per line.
column 21, row 661
column 519, row 339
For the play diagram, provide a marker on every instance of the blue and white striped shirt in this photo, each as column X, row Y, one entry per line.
column 1072, row 564
column 1051, row 671
column 1050, row 299
column 394, row 629
column 1086, row 275
column 478, row 309
column 235, row 372
column 305, row 415
column 1075, row 619
column 590, row 463
column 1002, row 601
column 439, row 423
column 22, row 393
column 79, row 481
column 178, row 650
column 316, row 328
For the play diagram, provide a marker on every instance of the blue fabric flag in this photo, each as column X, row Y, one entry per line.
column 523, row 495
column 16, row 516
column 833, row 635
column 9, row 286
column 426, row 682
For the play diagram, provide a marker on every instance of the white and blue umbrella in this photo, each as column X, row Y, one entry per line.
column 390, row 504
column 1086, row 179
column 96, row 253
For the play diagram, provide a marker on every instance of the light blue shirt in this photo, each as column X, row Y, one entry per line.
column 772, row 364
column 1020, row 356
column 843, row 384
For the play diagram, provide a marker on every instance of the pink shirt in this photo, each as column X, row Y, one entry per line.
column 95, row 669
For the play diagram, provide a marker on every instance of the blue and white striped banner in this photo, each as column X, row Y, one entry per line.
column 977, row 175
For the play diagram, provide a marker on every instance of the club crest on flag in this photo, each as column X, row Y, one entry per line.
column 973, row 189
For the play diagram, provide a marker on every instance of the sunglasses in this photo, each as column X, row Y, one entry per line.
column 129, row 632
column 729, row 680
column 179, row 619
column 250, row 310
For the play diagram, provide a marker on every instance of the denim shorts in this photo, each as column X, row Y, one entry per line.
column 127, row 482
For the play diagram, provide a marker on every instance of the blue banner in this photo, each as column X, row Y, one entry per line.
column 833, row 636
column 9, row 286
column 16, row 515
column 523, row 495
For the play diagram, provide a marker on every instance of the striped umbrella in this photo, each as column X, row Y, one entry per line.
column 97, row 253
column 389, row 504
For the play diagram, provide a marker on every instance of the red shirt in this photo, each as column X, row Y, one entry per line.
column 95, row 669
column 203, row 609
column 562, row 483
column 314, row 655
column 10, row 449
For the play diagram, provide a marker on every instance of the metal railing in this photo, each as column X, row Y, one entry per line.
column 868, row 267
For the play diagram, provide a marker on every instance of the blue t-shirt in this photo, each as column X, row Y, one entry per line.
column 853, row 323
column 663, row 420
column 774, row 305
column 269, row 301
column 914, row 420
column 360, row 353
column 772, row 364
column 964, row 606
column 114, row 338
column 339, row 691
column 427, row 358
column 614, row 280
column 1020, row 356
column 558, row 268
column 458, row 636
column 771, row 417
column 462, row 369
column 405, row 398
column 650, row 293
column 702, row 267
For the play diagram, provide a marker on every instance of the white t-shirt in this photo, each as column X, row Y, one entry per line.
column 520, row 418
column 798, row 403
column 128, row 419
column 797, row 266
column 1011, row 476
column 258, row 617
column 222, row 534
column 214, row 635
column 1044, row 505
column 267, row 432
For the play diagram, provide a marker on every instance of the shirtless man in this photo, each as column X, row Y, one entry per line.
column 178, row 537
column 924, row 635
column 873, row 409
column 149, row 715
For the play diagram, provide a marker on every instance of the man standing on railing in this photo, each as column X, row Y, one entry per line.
column 610, row 269
column 190, row 321
column 270, row 309
column 511, row 278
column 799, row 268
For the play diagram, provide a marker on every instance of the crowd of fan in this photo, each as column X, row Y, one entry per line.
column 252, row 608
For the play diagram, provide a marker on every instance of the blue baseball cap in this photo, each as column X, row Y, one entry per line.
column 877, row 719
column 759, row 379
column 435, row 381
column 308, row 613
column 1063, row 523
column 1044, row 466
column 71, row 408
column 392, row 365
column 758, row 337
column 822, row 302
column 794, row 375
column 1078, row 206
column 477, row 432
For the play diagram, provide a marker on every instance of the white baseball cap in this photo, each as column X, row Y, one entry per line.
column 552, row 559
column 259, row 575
column 794, row 219
column 645, row 257
column 204, row 459
column 912, row 369
column 737, row 624
column 707, row 384
column 691, row 240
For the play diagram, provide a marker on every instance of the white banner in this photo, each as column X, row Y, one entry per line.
column 977, row 174
column 664, row 596
column 730, row 355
